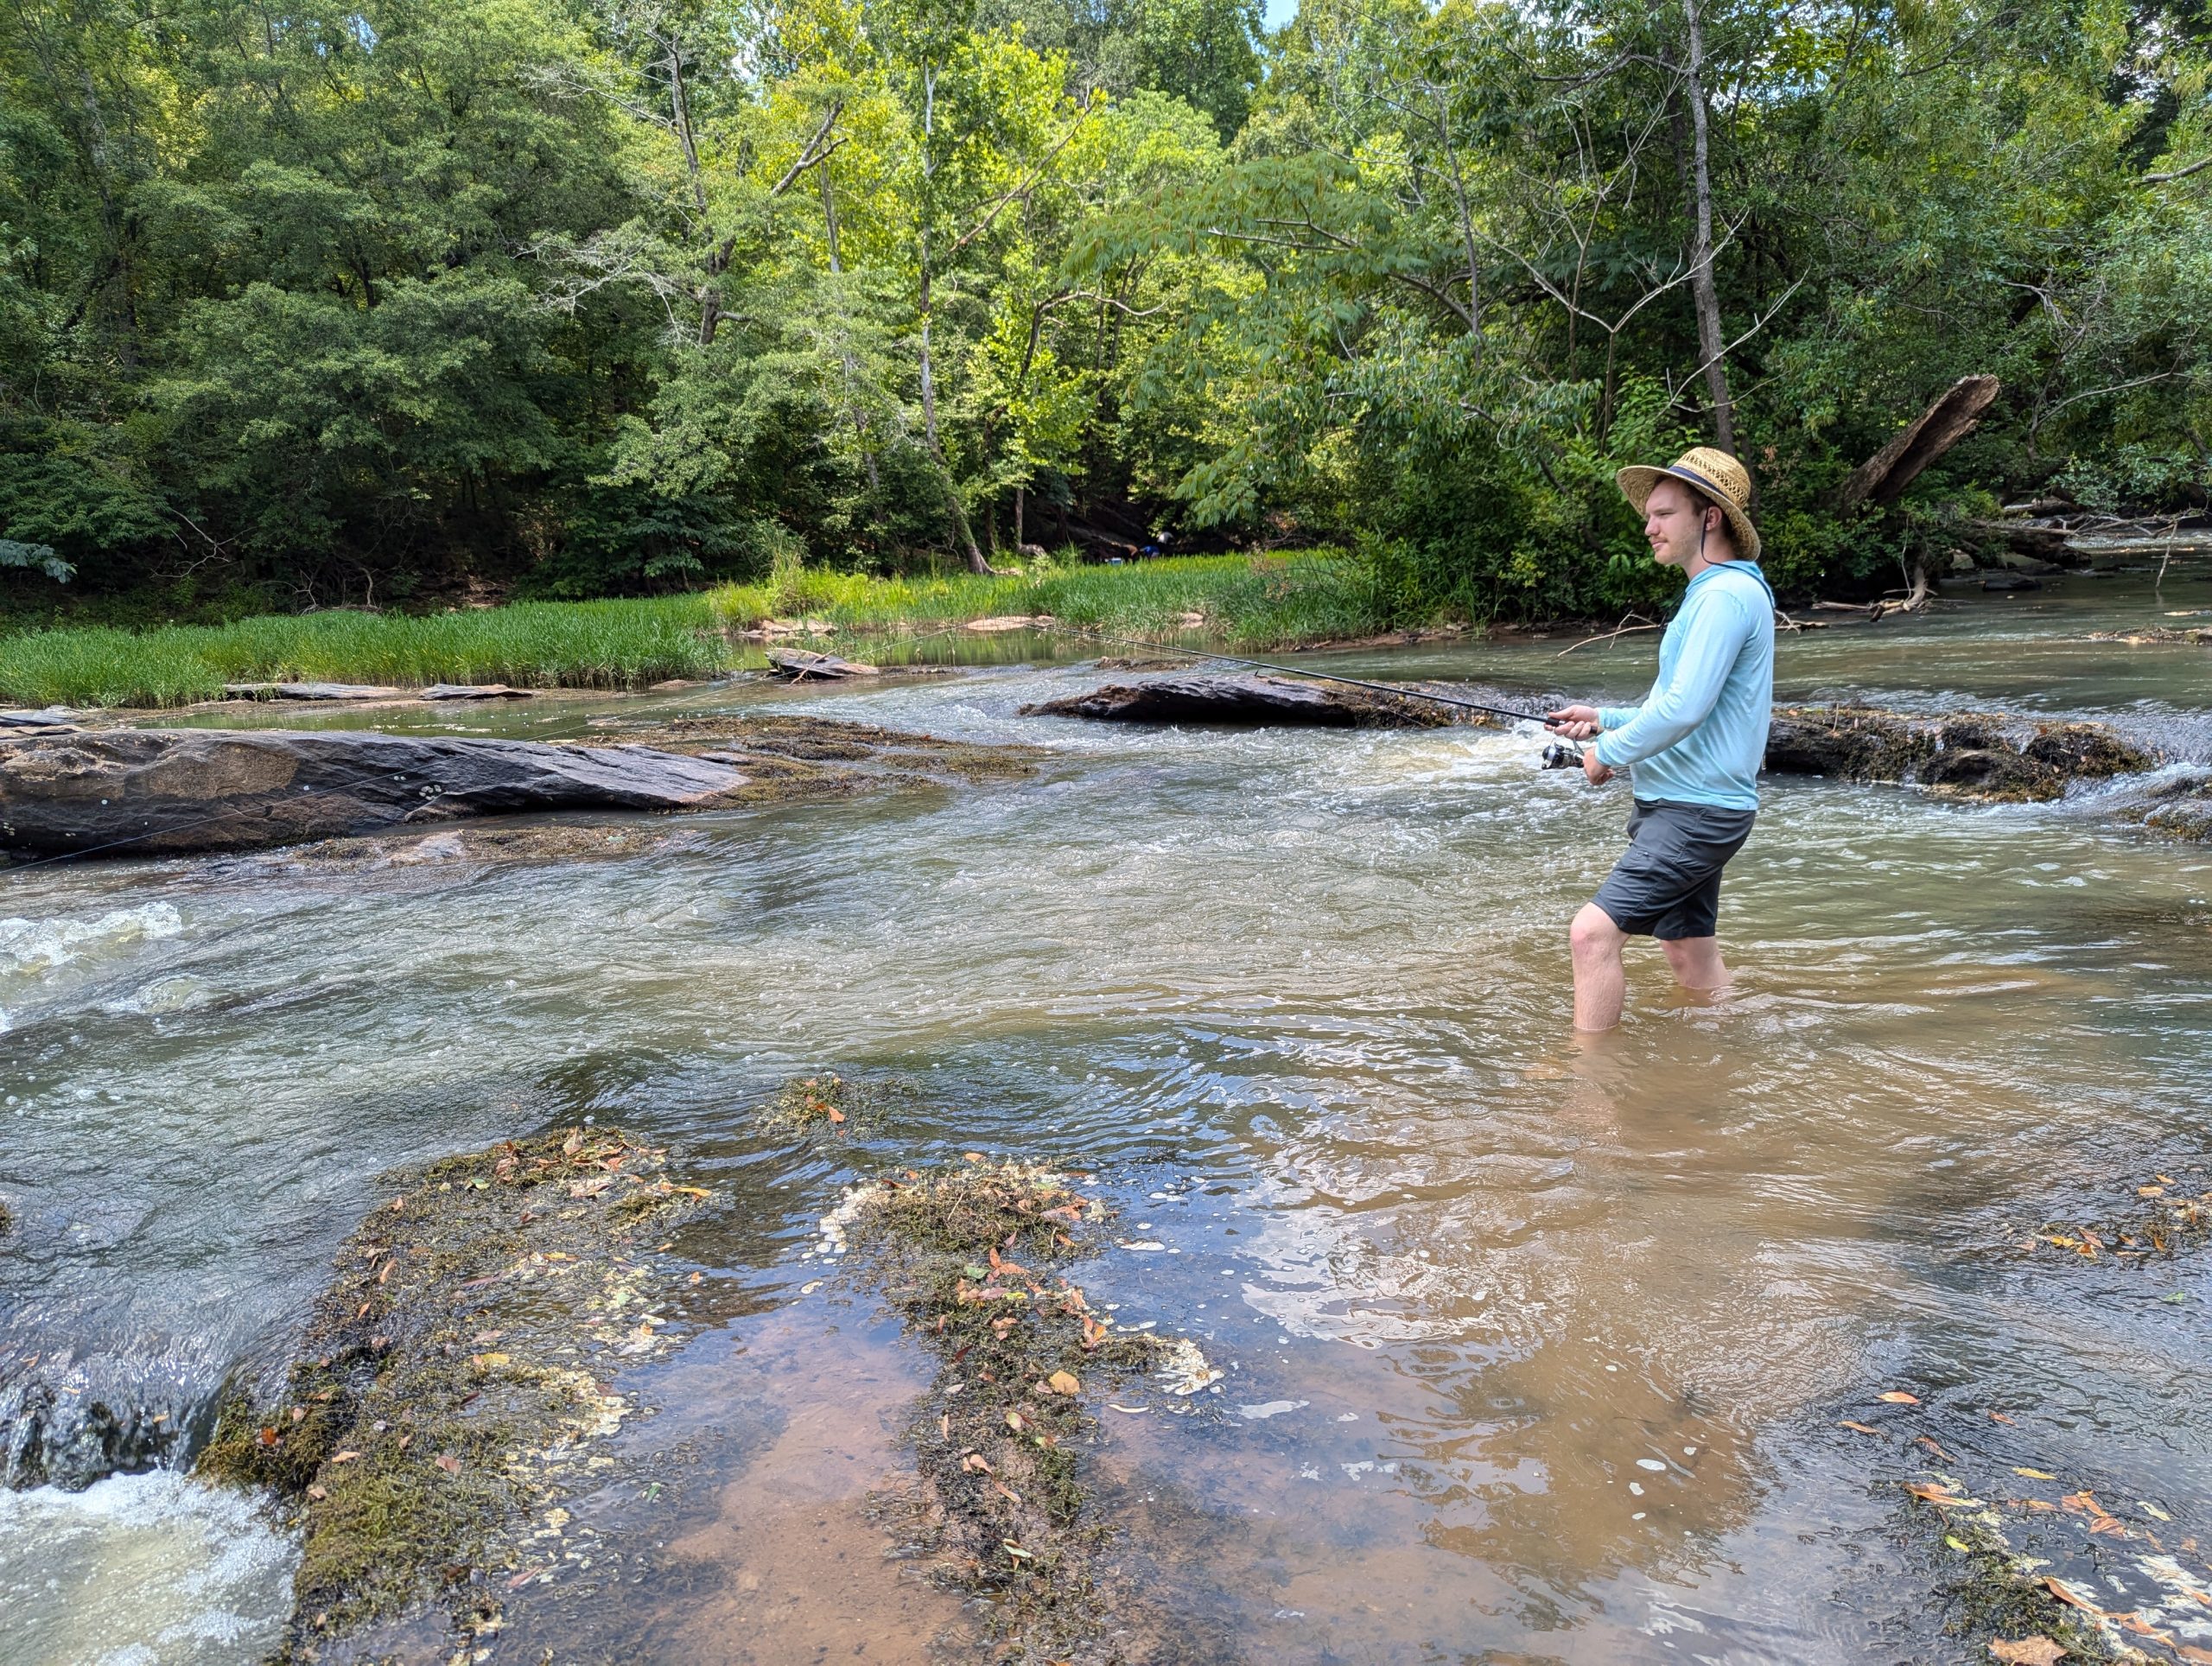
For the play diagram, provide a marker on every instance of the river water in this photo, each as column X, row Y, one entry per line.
column 1536, row 1351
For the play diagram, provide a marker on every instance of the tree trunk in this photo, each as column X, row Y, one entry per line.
column 1711, row 344
column 962, row 530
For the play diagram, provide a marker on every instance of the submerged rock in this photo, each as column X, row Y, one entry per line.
column 167, row 791
column 1252, row 701
column 2181, row 808
column 2155, row 633
column 1981, row 755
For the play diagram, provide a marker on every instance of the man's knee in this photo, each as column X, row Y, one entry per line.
column 1594, row 932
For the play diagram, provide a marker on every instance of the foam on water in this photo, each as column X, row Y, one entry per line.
column 29, row 949
column 139, row 1569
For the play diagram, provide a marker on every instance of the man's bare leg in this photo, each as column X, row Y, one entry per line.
column 1697, row 963
column 1600, row 985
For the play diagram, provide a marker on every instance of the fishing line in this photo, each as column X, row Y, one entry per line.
column 1557, row 755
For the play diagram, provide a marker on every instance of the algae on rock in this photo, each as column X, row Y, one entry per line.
column 965, row 1255
column 453, row 1377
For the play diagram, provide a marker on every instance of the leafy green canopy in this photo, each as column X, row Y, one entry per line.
column 393, row 304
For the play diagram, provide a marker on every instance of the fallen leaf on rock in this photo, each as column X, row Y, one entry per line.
column 2027, row 1651
column 344, row 1457
column 972, row 1156
column 2195, row 1655
column 1929, row 1440
column 317, row 1494
column 2034, row 1474
column 1999, row 1417
column 448, row 1463
column 1063, row 1382
column 1900, row 1397
column 1864, row 1429
column 2067, row 1593
column 1937, row 1494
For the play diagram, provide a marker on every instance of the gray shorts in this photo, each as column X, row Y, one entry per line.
column 1667, row 885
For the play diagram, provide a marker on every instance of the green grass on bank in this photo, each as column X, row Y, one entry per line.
column 598, row 645
column 1263, row 602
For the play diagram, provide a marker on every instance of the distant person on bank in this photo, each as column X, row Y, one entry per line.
column 1693, row 748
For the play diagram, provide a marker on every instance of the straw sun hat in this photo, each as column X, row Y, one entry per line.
column 1715, row 473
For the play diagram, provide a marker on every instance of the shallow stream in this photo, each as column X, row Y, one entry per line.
column 1535, row 1351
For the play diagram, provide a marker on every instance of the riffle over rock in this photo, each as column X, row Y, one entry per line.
column 163, row 791
column 1252, row 702
column 1981, row 755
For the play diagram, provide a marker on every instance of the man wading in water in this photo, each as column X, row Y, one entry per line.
column 1693, row 748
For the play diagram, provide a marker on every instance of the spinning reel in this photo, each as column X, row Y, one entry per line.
column 1560, row 755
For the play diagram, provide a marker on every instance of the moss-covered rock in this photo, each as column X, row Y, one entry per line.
column 1985, row 756
column 448, row 1387
column 966, row 1254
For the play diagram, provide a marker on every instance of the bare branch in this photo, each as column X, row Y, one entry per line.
column 2176, row 174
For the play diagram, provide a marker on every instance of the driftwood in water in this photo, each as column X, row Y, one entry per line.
column 1252, row 702
column 799, row 665
column 308, row 691
column 1884, row 475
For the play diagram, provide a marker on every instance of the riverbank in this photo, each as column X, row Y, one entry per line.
column 1253, row 602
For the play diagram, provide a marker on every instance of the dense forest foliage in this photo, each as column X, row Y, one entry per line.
column 396, row 303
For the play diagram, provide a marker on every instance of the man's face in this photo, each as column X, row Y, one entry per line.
column 1671, row 518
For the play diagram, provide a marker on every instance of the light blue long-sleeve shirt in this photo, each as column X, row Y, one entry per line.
column 1700, row 736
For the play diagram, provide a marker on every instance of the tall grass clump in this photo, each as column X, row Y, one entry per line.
column 599, row 644
column 1252, row 601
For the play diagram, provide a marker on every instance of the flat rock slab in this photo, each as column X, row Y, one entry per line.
column 1251, row 701
column 167, row 791
column 55, row 720
column 1991, row 756
column 476, row 691
column 308, row 691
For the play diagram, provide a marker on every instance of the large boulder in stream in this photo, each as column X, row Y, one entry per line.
column 137, row 792
column 1253, row 702
column 162, row 791
column 1991, row 756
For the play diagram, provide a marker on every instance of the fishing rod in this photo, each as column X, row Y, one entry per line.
column 1557, row 756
